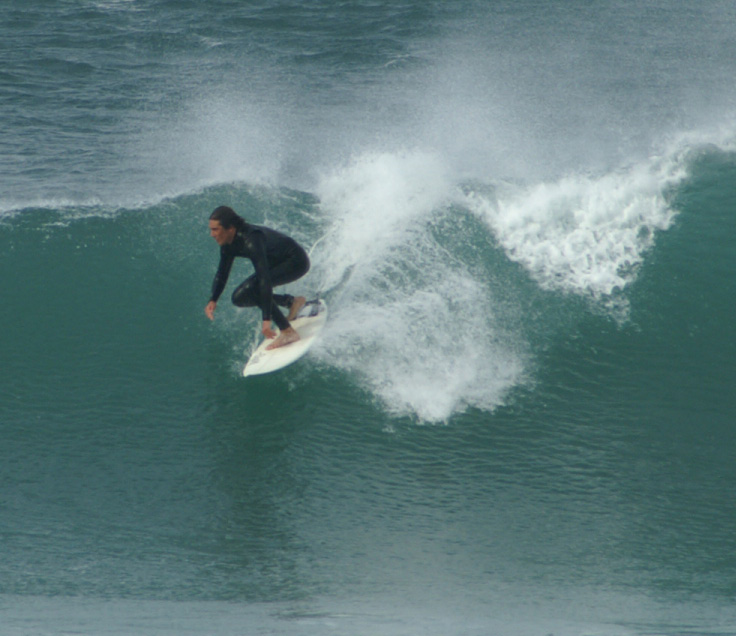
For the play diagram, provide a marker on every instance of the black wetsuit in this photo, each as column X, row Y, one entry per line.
column 277, row 260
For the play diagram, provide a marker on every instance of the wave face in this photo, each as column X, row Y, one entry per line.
column 522, row 222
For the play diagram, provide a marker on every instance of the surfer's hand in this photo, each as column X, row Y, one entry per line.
column 210, row 309
column 267, row 331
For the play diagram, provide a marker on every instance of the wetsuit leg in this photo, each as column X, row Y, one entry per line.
column 246, row 294
column 289, row 270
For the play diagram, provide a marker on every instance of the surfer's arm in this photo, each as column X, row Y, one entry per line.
column 218, row 284
column 223, row 273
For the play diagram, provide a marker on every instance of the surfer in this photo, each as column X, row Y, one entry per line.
column 277, row 260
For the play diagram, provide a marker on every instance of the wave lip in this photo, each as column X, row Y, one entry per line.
column 581, row 234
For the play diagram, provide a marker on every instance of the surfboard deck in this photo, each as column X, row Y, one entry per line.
column 308, row 323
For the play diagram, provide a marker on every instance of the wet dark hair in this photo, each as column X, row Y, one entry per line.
column 228, row 218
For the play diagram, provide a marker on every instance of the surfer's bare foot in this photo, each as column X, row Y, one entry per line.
column 296, row 305
column 287, row 336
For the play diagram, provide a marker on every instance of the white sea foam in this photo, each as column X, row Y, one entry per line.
column 374, row 204
column 414, row 323
column 409, row 319
column 583, row 234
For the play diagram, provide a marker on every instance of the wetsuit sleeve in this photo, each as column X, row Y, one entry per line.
column 222, row 274
column 256, row 245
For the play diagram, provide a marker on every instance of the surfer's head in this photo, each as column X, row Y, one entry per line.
column 224, row 224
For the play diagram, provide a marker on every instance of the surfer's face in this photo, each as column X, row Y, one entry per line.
column 220, row 234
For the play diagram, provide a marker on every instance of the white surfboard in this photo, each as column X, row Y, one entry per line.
column 308, row 323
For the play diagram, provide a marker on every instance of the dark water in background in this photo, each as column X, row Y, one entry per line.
column 520, row 419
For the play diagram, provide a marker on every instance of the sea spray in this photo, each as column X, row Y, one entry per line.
column 410, row 319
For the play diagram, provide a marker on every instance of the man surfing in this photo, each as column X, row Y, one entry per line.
column 277, row 260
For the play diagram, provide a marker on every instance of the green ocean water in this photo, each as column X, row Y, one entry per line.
column 519, row 419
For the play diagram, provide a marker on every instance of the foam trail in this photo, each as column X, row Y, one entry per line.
column 409, row 319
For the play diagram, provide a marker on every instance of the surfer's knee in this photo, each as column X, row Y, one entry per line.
column 244, row 296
